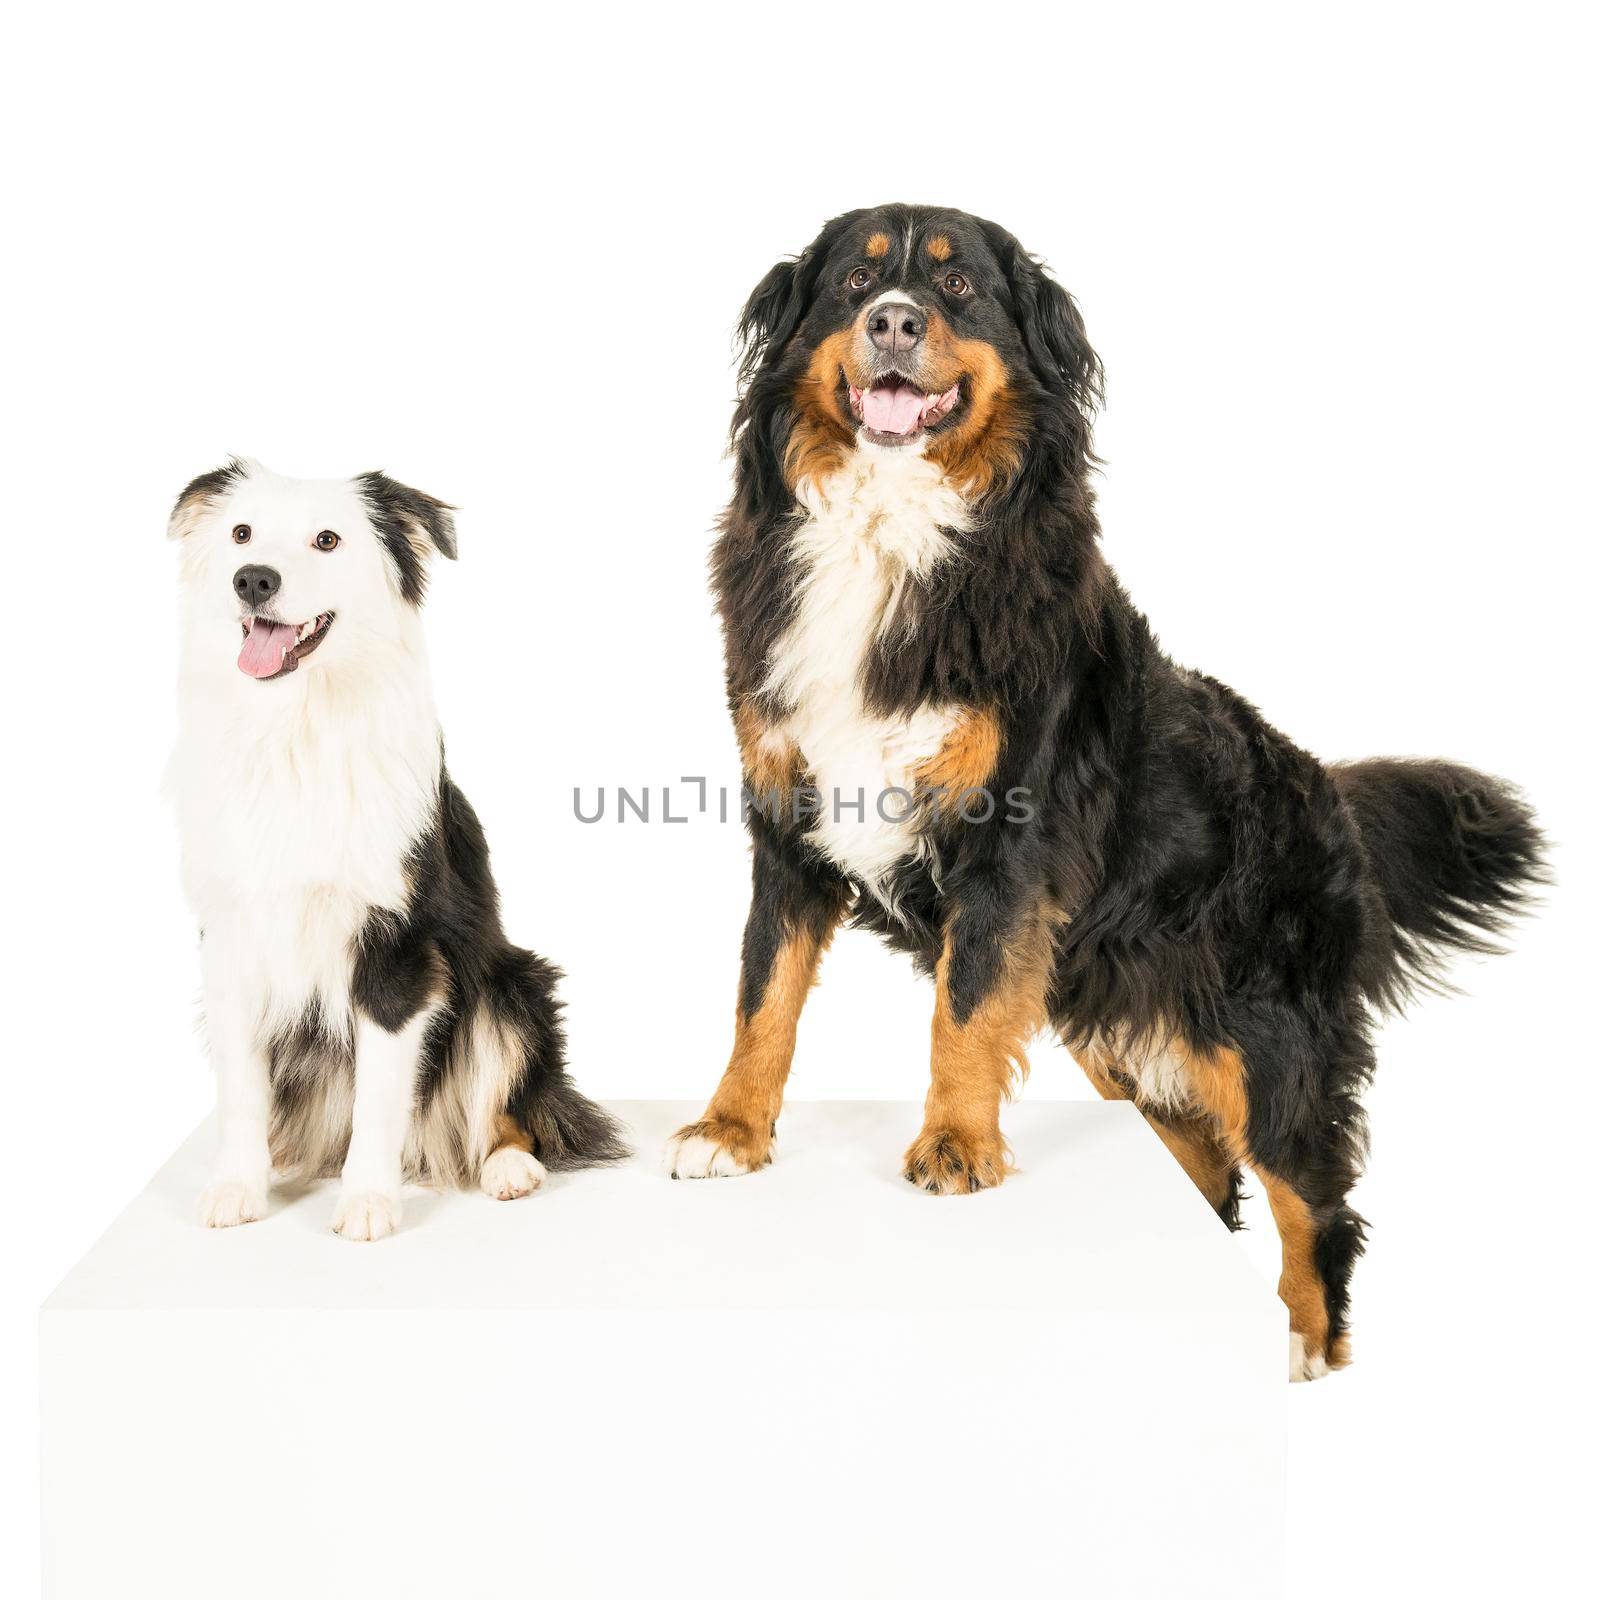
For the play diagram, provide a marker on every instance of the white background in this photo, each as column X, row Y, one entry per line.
column 1339, row 269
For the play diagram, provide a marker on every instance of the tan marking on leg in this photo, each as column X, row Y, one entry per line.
column 771, row 760
column 1218, row 1078
column 1193, row 1141
column 976, row 1064
column 510, row 1170
column 939, row 247
column 1300, row 1286
column 965, row 761
column 878, row 246
column 744, row 1110
column 509, row 1134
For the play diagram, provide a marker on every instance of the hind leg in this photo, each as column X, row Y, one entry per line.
column 1194, row 1141
column 511, row 1170
column 1288, row 1111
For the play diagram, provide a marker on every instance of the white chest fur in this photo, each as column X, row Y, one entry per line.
column 882, row 522
column 298, row 804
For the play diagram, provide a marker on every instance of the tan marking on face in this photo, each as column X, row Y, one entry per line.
column 976, row 1063
column 966, row 760
column 745, row 1107
column 822, row 432
column 939, row 247
column 771, row 759
column 878, row 246
column 983, row 445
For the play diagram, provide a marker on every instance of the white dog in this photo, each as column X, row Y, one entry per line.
column 364, row 1011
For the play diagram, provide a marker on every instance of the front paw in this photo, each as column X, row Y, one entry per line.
column 946, row 1161
column 717, row 1147
column 231, row 1201
column 366, row 1216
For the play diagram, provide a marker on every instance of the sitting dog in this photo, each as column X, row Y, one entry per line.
column 958, row 732
column 364, row 1011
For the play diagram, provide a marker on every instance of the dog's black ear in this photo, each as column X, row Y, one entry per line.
column 410, row 525
column 1052, row 330
column 199, row 497
column 771, row 314
column 778, row 304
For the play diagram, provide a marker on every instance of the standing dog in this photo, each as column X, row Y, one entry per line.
column 959, row 733
column 364, row 1011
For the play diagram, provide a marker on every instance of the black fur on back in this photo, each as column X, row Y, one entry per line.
column 1203, row 858
column 1214, row 882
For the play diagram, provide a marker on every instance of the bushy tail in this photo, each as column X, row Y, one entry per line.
column 1455, row 854
column 569, row 1130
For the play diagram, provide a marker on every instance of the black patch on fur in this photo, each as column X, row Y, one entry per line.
column 398, row 513
column 208, row 486
column 1229, row 1209
column 449, row 946
column 1217, row 881
column 1341, row 1240
column 792, row 892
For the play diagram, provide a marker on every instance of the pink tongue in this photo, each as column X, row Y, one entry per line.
column 264, row 646
column 886, row 410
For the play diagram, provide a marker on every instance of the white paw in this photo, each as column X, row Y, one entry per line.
column 230, row 1201
column 695, row 1156
column 509, row 1174
column 1304, row 1368
column 366, row 1216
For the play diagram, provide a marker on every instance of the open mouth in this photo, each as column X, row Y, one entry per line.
column 894, row 410
column 272, row 649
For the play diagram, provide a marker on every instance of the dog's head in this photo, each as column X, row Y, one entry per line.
column 914, row 328
column 281, row 573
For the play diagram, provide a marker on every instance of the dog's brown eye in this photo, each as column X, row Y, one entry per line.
column 859, row 279
column 241, row 534
column 956, row 284
column 326, row 540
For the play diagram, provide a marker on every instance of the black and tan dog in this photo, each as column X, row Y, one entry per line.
column 960, row 734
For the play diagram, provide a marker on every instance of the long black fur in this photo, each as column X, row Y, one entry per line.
column 1218, row 883
column 454, row 917
column 451, row 929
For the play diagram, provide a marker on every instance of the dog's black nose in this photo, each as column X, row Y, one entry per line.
column 256, row 585
column 896, row 326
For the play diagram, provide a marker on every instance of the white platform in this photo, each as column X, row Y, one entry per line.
column 814, row 1381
